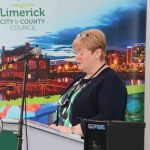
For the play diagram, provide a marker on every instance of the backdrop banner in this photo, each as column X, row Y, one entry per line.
column 52, row 25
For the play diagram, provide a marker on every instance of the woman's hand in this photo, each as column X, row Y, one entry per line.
column 78, row 130
column 52, row 126
column 61, row 128
column 70, row 130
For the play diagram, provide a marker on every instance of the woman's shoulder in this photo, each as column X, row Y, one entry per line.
column 109, row 74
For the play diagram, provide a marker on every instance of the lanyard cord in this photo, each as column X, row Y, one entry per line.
column 97, row 71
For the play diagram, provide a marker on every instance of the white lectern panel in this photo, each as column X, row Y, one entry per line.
column 41, row 137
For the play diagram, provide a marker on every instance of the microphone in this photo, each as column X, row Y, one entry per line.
column 34, row 52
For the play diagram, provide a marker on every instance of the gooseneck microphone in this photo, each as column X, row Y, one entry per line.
column 34, row 52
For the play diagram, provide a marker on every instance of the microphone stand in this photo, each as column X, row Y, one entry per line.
column 20, row 140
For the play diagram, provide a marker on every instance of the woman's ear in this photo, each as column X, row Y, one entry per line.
column 98, row 53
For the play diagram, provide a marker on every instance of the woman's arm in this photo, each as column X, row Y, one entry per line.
column 111, row 100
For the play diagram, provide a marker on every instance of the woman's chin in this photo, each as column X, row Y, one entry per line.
column 80, row 69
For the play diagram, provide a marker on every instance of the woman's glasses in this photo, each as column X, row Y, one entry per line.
column 83, row 35
column 79, row 52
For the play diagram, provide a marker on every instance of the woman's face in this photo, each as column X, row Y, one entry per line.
column 85, row 59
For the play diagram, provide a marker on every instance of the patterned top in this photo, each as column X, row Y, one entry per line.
column 66, row 101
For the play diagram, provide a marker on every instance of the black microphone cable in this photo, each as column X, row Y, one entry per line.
column 26, row 126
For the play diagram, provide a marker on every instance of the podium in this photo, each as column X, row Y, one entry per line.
column 99, row 135
column 42, row 137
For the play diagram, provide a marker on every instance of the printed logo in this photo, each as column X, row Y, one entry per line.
column 22, row 15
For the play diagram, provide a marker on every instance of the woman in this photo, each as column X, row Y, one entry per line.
column 98, row 94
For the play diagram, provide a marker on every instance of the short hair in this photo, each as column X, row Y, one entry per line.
column 90, row 39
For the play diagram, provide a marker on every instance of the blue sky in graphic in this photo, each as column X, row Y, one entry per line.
column 123, row 22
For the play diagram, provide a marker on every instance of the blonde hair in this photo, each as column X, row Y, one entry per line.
column 90, row 39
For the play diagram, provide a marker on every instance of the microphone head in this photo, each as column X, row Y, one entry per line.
column 36, row 51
